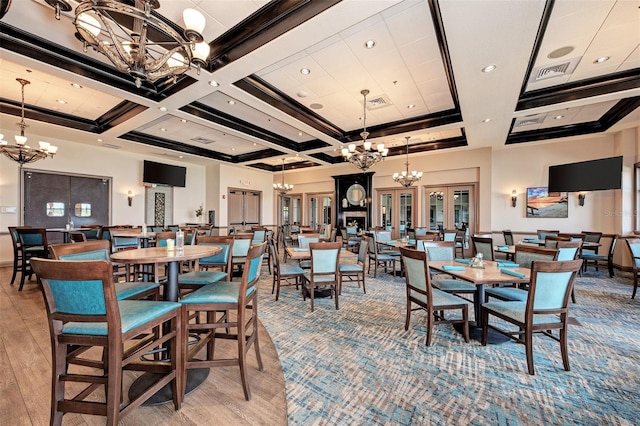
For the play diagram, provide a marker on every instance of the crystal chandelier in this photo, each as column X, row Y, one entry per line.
column 104, row 25
column 282, row 188
column 20, row 152
column 405, row 178
column 366, row 158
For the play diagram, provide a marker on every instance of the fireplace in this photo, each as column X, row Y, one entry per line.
column 353, row 199
column 357, row 218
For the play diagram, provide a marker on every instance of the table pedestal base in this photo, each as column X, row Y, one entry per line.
column 195, row 377
column 475, row 333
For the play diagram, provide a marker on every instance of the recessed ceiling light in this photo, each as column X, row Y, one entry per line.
column 162, row 129
column 180, row 156
column 255, row 144
column 162, row 108
column 486, row 120
column 183, row 120
column 489, row 68
column 99, row 140
column 231, row 102
column 214, row 83
column 305, row 71
column 61, row 101
column 558, row 117
column 302, row 94
column 233, row 149
column 76, row 86
column 601, row 60
column 299, row 133
column 370, row 44
column 411, row 106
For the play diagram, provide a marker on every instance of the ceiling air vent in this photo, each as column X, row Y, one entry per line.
column 556, row 70
column 202, row 140
column 530, row 120
column 378, row 102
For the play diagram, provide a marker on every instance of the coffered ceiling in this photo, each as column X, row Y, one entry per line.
column 561, row 68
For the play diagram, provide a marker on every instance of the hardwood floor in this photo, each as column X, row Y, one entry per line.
column 25, row 376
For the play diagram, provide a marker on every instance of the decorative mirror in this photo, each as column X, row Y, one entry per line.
column 356, row 194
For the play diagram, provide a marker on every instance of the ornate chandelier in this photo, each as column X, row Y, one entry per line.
column 20, row 152
column 405, row 178
column 282, row 188
column 366, row 158
column 104, row 25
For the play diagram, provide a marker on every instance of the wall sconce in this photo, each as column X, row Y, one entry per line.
column 581, row 196
column 514, row 198
column 130, row 197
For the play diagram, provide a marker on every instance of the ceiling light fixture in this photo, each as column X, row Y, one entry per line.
column 20, row 152
column 601, row 60
column 305, row 71
column 366, row 158
column 405, row 178
column 282, row 188
column 370, row 44
column 104, row 25
column 489, row 68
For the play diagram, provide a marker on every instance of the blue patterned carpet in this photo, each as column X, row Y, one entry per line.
column 357, row 365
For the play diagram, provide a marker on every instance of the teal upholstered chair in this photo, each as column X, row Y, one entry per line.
column 211, row 269
column 597, row 260
column 218, row 301
column 545, row 309
column 483, row 245
column 524, row 257
column 355, row 271
column 99, row 250
column 241, row 244
column 324, row 271
column 421, row 293
column 634, row 249
column 94, row 233
column 543, row 233
column 551, row 241
column 449, row 234
column 33, row 243
column 84, row 312
column 445, row 250
column 382, row 237
column 592, row 237
column 17, row 251
column 283, row 274
column 377, row 258
column 303, row 243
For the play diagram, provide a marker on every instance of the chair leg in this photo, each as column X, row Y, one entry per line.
column 336, row 291
column 15, row 270
column 635, row 285
column 485, row 326
column 408, row 316
column 465, row 324
column 429, row 327
column 611, row 274
column 528, row 345
column 256, row 343
column 363, row 287
column 563, row 348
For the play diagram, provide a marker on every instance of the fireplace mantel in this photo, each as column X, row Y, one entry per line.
column 361, row 212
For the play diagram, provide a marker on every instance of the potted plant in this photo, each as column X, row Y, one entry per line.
column 199, row 213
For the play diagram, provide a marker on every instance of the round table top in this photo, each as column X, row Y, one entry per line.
column 162, row 254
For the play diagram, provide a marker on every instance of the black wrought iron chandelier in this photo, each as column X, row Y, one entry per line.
column 282, row 188
column 135, row 40
column 367, row 157
column 20, row 152
column 405, row 178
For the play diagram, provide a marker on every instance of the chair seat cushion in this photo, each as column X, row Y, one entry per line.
column 290, row 270
column 593, row 256
column 239, row 260
column 133, row 313
column 515, row 311
column 129, row 289
column 508, row 293
column 201, row 277
column 350, row 267
column 305, row 264
column 441, row 298
column 386, row 258
column 222, row 292
column 447, row 284
column 32, row 249
column 320, row 279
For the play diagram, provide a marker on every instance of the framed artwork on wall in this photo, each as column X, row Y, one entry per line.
column 542, row 203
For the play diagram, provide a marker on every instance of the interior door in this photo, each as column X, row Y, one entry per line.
column 244, row 208
column 320, row 210
column 396, row 210
column 451, row 207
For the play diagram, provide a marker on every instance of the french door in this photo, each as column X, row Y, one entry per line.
column 396, row 210
column 450, row 207
column 244, row 208
column 320, row 210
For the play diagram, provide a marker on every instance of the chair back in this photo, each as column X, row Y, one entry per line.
column 274, row 256
column 157, row 228
column 88, row 250
column 508, row 237
column 124, row 243
column 421, row 239
column 77, row 237
column 612, row 246
column 551, row 241
column 449, row 234
column 173, row 228
column 550, row 287
column 352, row 231
column 417, row 276
column 568, row 250
column 362, row 251
column 304, row 241
column 526, row 254
column 222, row 259
column 483, row 245
column 333, row 236
column 250, row 274
column 162, row 237
column 259, row 236
column 634, row 249
column 33, row 238
column 542, row 233
column 592, row 237
column 15, row 239
column 439, row 250
column 325, row 260
column 94, row 233
column 80, row 292
column 382, row 236
column 241, row 244
column 421, row 231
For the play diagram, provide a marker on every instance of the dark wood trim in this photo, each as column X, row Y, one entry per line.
column 117, row 115
column 266, row 24
column 544, row 21
column 294, row 166
column 35, row 113
column 438, row 26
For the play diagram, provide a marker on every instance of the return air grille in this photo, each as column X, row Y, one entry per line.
column 202, row 140
column 555, row 70
column 378, row 102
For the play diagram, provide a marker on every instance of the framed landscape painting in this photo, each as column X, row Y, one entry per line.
column 542, row 203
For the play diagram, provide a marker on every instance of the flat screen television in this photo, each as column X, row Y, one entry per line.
column 164, row 174
column 592, row 175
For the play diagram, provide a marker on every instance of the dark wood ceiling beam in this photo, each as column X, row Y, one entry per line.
column 175, row 146
column 265, row 25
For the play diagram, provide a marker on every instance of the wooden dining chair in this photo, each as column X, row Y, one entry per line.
column 283, row 274
column 211, row 269
column 17, row 251
column 421, row 293
column 597, row 260
column 77, row 237
column 84, row 312
column 218, row 302
column 445, row 250
column 546, row 308
column 355, row 271
column 324, row 271
column 33, row 243
column 634, row 249
column 483, row 245
column 379, row 259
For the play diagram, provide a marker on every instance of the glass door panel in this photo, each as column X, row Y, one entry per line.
column 451, row 207
column 406, row 212
column 396, row 211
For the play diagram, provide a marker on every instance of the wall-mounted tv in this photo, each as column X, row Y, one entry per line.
column 592, row 175
column 164, row 174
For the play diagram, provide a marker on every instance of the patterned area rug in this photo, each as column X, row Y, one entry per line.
column 358, row 366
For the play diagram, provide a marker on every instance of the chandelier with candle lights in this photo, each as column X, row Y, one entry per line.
column 405, row 178
column 282, row 188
